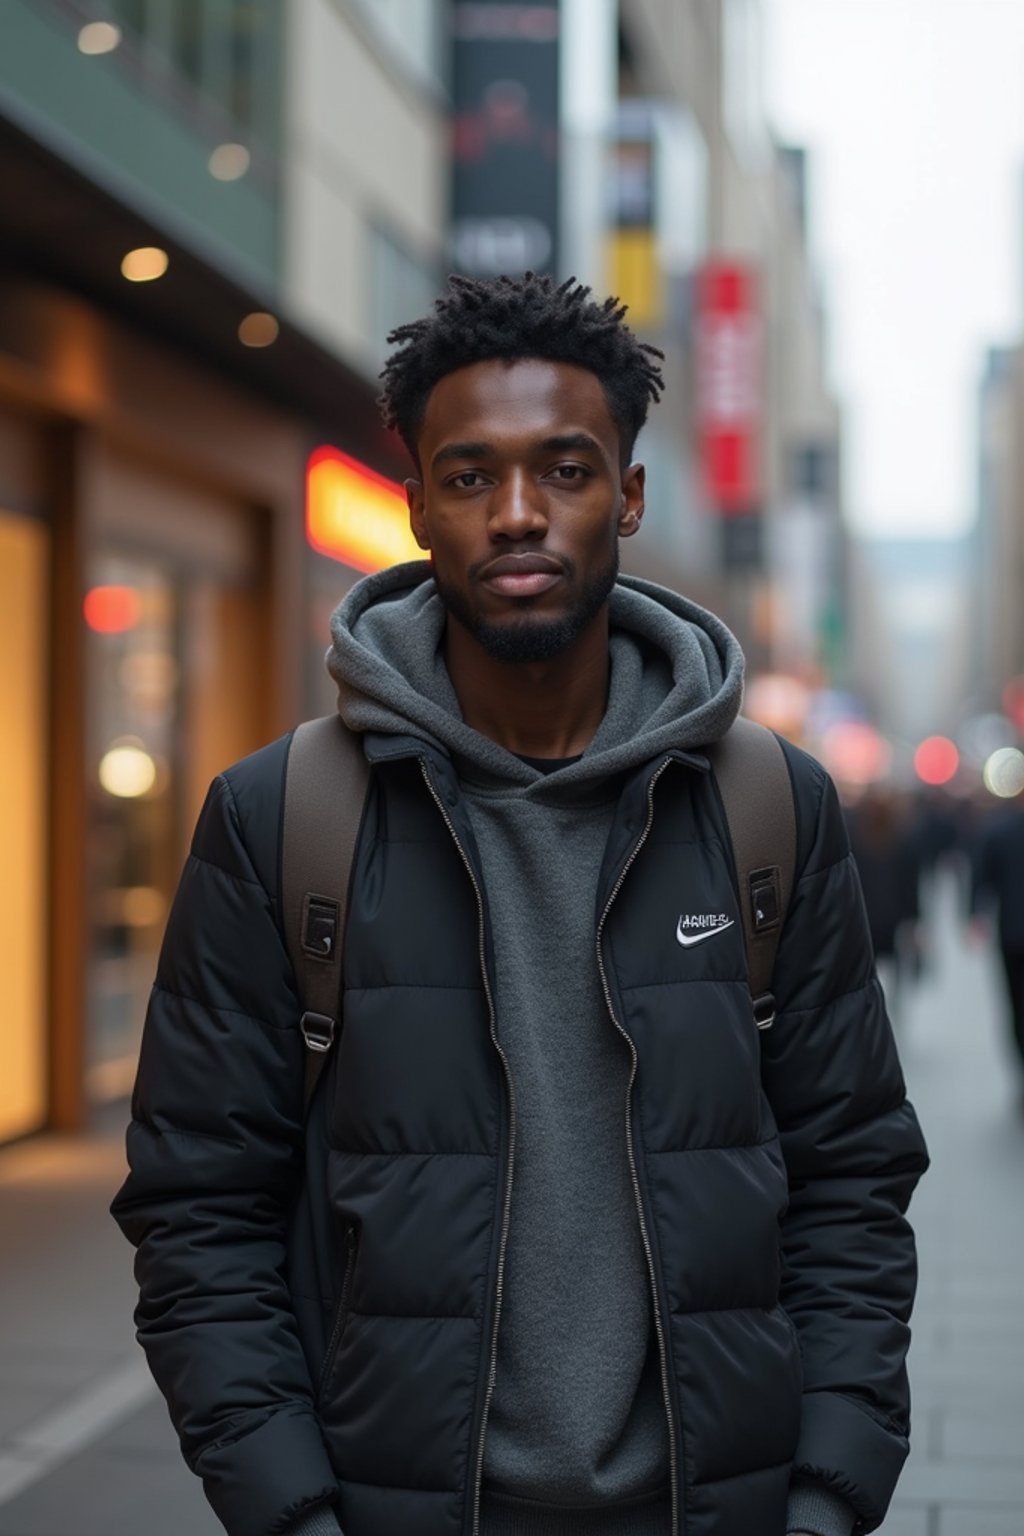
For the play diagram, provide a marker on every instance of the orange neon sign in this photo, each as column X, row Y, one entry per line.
column 355, row 515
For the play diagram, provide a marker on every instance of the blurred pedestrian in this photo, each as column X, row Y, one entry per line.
column 888, row 855
column 936, row 830
column 998, row 891
column 596, row 1256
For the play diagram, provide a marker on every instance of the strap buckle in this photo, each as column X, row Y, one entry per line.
column 765, row 898
column 764, row 1010
column 317, row 1031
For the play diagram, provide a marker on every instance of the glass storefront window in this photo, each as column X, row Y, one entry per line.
column 132, row 614
column 24, row 695
column 176, row 678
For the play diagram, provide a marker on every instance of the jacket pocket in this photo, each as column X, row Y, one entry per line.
column 341, row 1311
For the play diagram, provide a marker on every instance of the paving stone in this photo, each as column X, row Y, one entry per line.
column 70, row 1367
column 147, row 1432
column 969, row 1520
column 981, row 1437
column 95, row 1494
column 23, row 1401
column 947, row 1482
column 906, row 1520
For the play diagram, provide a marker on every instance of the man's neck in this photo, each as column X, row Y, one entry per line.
column 540, row 709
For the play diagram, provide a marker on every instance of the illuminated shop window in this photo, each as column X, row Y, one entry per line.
column 132, row 614
column 24, row 697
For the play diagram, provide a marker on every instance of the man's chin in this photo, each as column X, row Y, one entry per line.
column 521, row 642
column 527, row 636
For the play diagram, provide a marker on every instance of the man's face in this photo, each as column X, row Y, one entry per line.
column 522, row 502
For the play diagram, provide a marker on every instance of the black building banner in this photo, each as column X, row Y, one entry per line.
column 505, row 151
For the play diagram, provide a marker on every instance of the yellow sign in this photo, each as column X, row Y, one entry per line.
column 355, row 515
column 635, row 276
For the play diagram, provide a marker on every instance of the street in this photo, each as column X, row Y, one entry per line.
column 85, row 1445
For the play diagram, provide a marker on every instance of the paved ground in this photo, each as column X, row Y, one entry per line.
column 86, row 1449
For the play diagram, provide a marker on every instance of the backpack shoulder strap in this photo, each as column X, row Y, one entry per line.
column 325, row 787
column 753, row 778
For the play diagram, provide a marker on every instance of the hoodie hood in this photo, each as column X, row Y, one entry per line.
column 676, row 678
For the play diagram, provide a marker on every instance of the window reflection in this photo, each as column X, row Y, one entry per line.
column 133, row 719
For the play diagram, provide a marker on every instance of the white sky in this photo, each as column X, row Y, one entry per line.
column 914, row 111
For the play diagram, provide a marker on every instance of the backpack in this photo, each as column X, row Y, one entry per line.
column 326, row 780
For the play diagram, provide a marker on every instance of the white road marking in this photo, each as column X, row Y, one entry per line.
column 34, row 1451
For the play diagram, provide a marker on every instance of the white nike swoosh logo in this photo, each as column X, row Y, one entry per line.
column 689, row 939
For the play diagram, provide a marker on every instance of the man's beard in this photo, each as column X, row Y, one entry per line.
column 529, row 638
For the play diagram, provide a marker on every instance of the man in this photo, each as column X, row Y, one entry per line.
column 997, row 891
column 576, row 1249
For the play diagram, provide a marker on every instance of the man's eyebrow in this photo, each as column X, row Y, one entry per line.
column 561, row 442
column 567, row 440
column 462, row 451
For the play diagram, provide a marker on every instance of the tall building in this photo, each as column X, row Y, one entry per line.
column 709, row 243
column 997, row 619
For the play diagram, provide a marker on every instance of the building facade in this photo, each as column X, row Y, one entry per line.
column 748, row 440
column 996, row 647
column 213, row 212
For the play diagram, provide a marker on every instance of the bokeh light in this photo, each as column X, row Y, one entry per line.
column 111, row 610
column 258, row 330
column 127, row 771
column 98, row 37
column 229, row 162
column 1003, row 774
column 856, row 753
column 145, row 264
column 936, row 760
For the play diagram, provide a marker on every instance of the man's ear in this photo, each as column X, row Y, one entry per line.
column 417, row 521
column 632, row 509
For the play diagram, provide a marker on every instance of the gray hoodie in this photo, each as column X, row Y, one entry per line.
column 676, row 678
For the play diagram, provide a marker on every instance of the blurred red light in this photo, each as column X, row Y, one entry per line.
column 936, row 760
column 1013, row 701
column 855, row 753
column 112, row 610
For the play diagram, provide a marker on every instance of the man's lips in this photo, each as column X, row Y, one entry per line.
column 521, row 575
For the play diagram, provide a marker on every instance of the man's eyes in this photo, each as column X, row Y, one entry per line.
column 472, row 479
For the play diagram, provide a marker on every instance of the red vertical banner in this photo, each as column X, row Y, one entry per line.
column 728, row 354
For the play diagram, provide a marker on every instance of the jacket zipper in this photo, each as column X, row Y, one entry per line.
column 507, row 1211
column 658, row 1324
column 342, row 1313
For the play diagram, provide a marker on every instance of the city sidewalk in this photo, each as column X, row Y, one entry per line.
column 965, row 1476
column 86, row 1448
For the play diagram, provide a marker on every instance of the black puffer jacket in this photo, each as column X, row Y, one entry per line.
column 336, row 1344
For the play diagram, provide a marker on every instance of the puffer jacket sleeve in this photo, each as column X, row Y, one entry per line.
column 214, row 1149
column 853, row 1152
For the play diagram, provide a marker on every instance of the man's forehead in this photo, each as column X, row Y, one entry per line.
column 529, row 394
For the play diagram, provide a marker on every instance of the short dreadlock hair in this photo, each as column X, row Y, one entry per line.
column 513, row 318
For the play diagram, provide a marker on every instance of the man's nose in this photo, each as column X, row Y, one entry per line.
column 517, row 507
